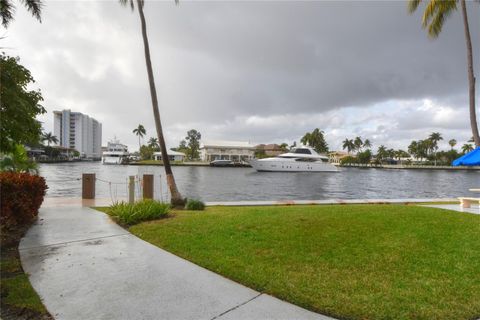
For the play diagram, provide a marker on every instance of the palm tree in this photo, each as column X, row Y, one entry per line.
column 348, row 144
column 434, row 138
column 433, row 19
column 382, row 153
column 153, row 143
column 176, row 197
column 452, row 143
column 358, row 143
column 367, row 144
column 49, row 137
column 467, row 147
column 413, row 149
column 140, row 132
column 7, row 9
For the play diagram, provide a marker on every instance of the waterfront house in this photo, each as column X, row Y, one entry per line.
column 172, row 155
column 236, row 151
column 269, row 150
column 336, row 157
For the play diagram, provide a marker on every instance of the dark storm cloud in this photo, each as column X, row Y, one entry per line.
column 249, row 70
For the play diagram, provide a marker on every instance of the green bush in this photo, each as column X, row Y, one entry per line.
column 143, row 210
column 193, row 204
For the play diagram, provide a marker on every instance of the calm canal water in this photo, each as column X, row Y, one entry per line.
column 228, row 184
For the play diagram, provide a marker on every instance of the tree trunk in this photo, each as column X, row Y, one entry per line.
column 176, row 197
column 471, row 77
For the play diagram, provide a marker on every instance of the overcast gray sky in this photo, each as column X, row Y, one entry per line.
column 258, row 71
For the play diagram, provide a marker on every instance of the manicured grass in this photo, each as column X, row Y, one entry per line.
column 348, row 261
column 21, row 294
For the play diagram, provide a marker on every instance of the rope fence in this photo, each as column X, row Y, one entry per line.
column 158, row 192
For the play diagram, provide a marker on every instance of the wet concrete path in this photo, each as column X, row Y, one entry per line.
column 84, row 266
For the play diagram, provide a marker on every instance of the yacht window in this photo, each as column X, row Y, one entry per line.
column 302, row 151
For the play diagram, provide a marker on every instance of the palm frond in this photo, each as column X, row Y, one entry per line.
column 413, row 5
column 436, row 12
column 35, row 8
column 127, row 2
column 6, row 12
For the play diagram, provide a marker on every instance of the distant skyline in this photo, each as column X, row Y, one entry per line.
column 264, row 72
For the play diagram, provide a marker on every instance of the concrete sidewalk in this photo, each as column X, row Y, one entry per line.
column 84, row 266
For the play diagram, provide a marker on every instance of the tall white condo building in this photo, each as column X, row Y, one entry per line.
column 78, row 131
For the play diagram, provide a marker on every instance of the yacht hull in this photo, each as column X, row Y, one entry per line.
column 291, row 166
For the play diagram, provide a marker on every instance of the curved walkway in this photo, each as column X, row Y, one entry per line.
column 84, row 266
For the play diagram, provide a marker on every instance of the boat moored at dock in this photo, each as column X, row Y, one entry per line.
column 303, row 159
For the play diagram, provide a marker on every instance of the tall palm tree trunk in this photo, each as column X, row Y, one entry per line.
column 176, row 197
column 471, row 77
column 139, row 144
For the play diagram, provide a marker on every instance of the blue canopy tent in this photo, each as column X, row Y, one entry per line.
column 470, row 159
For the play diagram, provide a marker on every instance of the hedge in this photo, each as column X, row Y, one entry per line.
column 21, row 195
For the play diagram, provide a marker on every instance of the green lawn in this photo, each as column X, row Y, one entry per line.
column 347, row 261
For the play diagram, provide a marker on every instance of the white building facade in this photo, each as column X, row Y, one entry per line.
column 172, row 155
column 236, row 151
column 78, row 131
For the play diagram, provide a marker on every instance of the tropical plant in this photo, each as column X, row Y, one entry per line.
column 452, row 143
column 176, row 197
column 382, row 153
column 19, row 106
column 434, row 16
column 466, row 148
column 18, row 161
column 49, row 137
column 7, row 9
column 153, row 143
column 193, row 137
column 348, row 144
column 358, row 143
column 434, row 138
column 140, row 132
column 367, row 144
column 133, row 213
column 193, row 204
column 316, row 140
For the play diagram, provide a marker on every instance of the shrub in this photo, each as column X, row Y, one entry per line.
column 21, row 195
column 193, row 204
column 348, row 159
column 143, row 210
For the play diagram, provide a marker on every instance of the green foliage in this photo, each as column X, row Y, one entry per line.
column 19, row 106
column 316, row 140
column 193, row 137
column 53, row 153
column 144, row 210
column 153, row 144
column 348, row 159
column 18, row 161
column 7, row 9
column 364, row 156
column 49, row 138
column 146, row 152
column 193, row 204
column 20, row 198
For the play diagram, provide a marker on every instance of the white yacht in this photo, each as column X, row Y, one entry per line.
column 302, row 159
column 116, row 153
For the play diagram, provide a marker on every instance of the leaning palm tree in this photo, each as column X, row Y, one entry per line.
column 435, row 14
column 7, row 9
column 140, row 132
column 49, row 137
column 176, row 197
